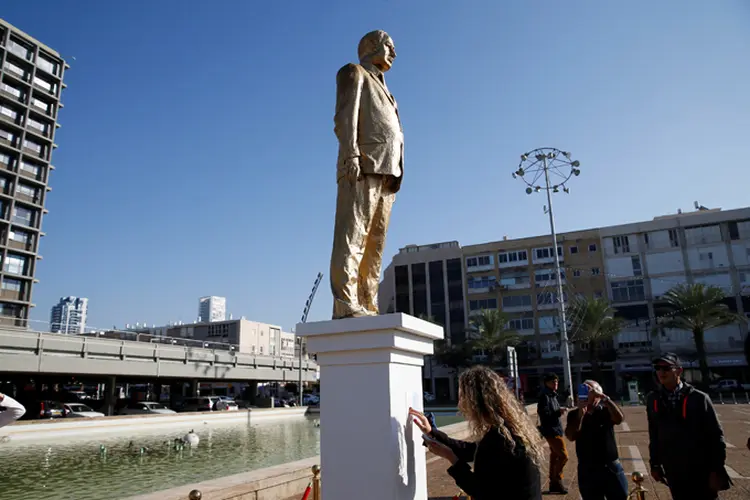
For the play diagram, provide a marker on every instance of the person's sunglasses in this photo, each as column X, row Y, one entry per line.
column 663, row 368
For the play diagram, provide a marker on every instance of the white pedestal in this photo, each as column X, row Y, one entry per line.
column 370, row 373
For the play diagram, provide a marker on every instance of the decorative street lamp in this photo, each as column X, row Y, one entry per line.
column 557, row 168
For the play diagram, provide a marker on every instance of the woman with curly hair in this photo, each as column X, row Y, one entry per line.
column 506, row 448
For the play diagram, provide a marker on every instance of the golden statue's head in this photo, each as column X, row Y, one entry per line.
column 377, row 48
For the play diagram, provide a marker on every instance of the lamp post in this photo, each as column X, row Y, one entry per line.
column 557, row 168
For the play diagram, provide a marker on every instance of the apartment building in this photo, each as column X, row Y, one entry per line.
column 251, row 337
column 212, row 308
column 631, row 264
column 645, row 259
column 31, row 81
column 69, row 315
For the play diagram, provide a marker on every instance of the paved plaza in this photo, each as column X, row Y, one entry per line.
column 632, row 438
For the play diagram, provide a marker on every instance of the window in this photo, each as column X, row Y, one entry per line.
column 25, row 190
column 44, row 84
column 548, row 298
column 41, row 127
column 482, row 304
column 521, row 324
column 11, row 90
column 516, row 301
column 22, row 216
column 4, row 158
column 547, row 253
column 519, row 256
column 482, row 282
column 706, row 256
column 30, row 168
column 515, row 278
column 645, row 239
column 12, row 114
column 46, row 65
column 33, row 146
column 703, row 234
column 12, row 285
column 595, row 271
column 576, row 273
column 548, row 322
column 674, row 241
column 261, row 349
column 482, row 260
column 636, row 261
column 545, row 275
column 573, row 250
column 19, row 236
column 8, row 136
column 38, row 103
column 621, row 244
column 15, row 264
column 15, row 69
column 18, row 49
column 592, row 247
column 628, row 291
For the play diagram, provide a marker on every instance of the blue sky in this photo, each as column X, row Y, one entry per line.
column 197, row 155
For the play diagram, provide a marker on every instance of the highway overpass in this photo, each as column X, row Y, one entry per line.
column 29, row 352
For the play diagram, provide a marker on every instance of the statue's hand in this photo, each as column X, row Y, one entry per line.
column 352, row 170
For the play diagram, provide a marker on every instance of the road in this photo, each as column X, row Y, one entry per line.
column 632, row 439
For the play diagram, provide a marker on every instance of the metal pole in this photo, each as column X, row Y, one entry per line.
column 563, row 323
column 300, row 371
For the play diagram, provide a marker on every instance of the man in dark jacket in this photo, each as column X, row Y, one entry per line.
column 686, row 441
column 549, row 411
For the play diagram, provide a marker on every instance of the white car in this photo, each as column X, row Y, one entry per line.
column 80, row 410
column 227, row 403
column 146, row 408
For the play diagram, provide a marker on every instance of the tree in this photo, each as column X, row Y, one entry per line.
column 490, row 333
column 593, row 321
column 696, row 308
column 454, row 356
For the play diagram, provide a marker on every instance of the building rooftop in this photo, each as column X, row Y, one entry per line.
column 46, row 48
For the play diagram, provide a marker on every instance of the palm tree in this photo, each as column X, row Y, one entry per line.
column 697, row 308
column 490, row 333
column 592, row 321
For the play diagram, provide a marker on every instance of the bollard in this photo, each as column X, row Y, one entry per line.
column 721, row 399
column 747, row 398
column 195, row 495
column 316, row 482
column 639, row 493
column 734, row 398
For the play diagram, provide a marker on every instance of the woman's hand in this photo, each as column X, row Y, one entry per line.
column 443, row 451
column 422, row 422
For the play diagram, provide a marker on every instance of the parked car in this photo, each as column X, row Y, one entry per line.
column 310, row 399
column 79, row 395
column 202, row 403
column 77, row 410
column 729, row 384
column 429, row 397
column 42, row 409
column 226, row 403
column 145, row 408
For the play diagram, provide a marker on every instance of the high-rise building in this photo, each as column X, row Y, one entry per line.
column 212, row 309
column 631, row 265
column 69, row 315
column 31, row 81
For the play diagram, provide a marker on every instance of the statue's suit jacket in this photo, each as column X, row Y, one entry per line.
column 367, row 124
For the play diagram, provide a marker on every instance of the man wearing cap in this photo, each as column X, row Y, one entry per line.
column 686, row 441
column 549, row 411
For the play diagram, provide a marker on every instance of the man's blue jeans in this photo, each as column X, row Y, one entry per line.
column 602, row 481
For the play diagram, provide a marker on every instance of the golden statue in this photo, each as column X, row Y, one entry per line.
column 369, row 171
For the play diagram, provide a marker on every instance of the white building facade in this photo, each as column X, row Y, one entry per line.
column 69, row 315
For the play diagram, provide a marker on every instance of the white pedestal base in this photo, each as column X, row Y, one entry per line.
column 370, row 374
